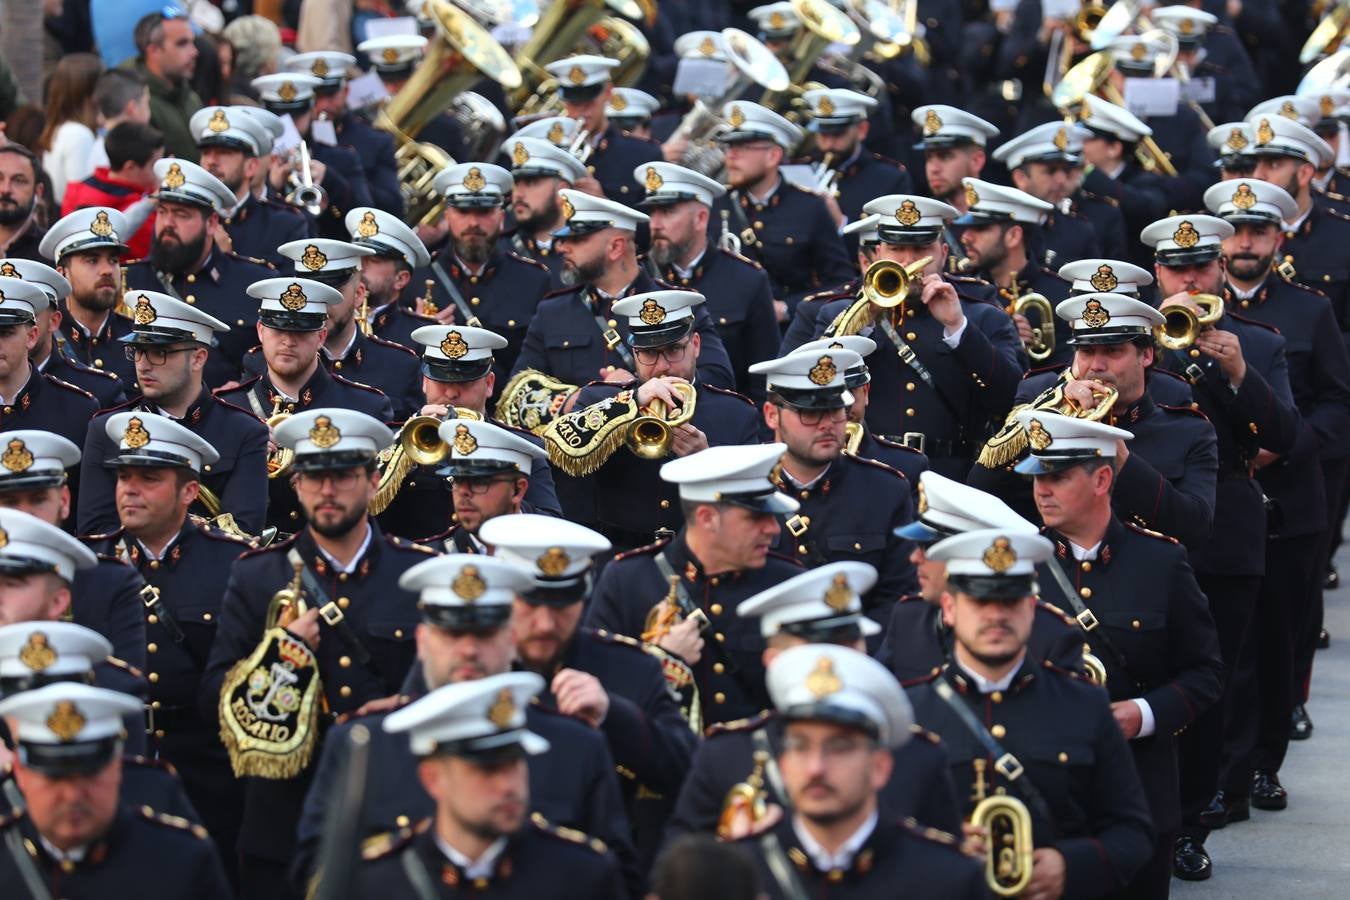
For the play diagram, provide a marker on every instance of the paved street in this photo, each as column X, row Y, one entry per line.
column 1300, row 852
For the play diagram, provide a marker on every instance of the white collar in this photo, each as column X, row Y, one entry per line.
column 686, row 271
column 842, row 858
column 985, row 685
column 1295, row 224
column 323, row 348
column 74, row 854
column 1242, row 294
column 804, row 485
column 1082, row 553
column 767, row 197
column 473, row 868
column 163, row 553
column 356, row 560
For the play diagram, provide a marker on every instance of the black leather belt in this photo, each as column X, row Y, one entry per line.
column 175, row 719
column 940, row 448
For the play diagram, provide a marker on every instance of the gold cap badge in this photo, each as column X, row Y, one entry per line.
column 135, row 436
column 1264, row 133
column 468, row 585
column 1244, row 197
column 293, row 298
column 1037, row 436
column 822, row 682
column 923, row 499
column 555, row 134
column 454, row 346
column 972, row 198
column 577, row 75
column 1000, row 556
column 390, row 55
column 1287, row 110
column 320, row 68
column 932, row 123
column 908, row 214
column 7, row 270
column 1326, row 106
column 1186, row 236
column 839, row 594
column 736, row 118
column 474, row 180
column 654, row 179
column 1186, row 26
column 618, row 103
column 66, row 721
column 1104, row 279
column 1061, row 140
column 101, row 225
column 568, row 210
column 324, row 434
column 519, row 155
column 503, row 709
column 173, row 179
column 4, row 538
column 17, row 457
column 1138, row 51
column 823, row 372
column 367, row 227
column 707, row 47
column 1094, row 314
column 826, row 106
column 1237, row 141
column 218, row 122
column 652, row 313
column 287, row 90
column 465, row 443
column 37, row 654
column 313, row 259
column 144, row 313
column 553, row 562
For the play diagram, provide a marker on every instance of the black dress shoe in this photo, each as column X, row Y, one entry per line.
column 1215, row 815
column 1300, row 725
column 1323, row 639
column 1190, row 862
column 1267, row 793
column 1239, row 809
column 1333, row 579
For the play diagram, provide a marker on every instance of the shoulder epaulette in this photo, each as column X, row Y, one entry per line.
column 890, row 162
column 122, row 664
column 735, row 726
column 390, row 345
column 252, row 259
column 385, row 843
column 145, row 762
column 132, row 262
column 1336, row 214
column 105, row 536
column 234, row 407
column 90, row 370
column 923, row 679
column 919, row 733
column 255, row 349
column 1051, row 666
column 178, row 823
column 1246, row 321
column 1109, row 201
column 618, row 640
column 52, row 379
column 1168, row 372
column 402, row 700
column 798, row 187
column 108, row 557
column 241, row 386
column 1193, row 410
column 275, row 545
column 208, row 530
column 726, row 392
column 356, row 384
column 783, row 557
column 559, row 292
column 896, row 445
column 935, row 835
column 571, row 835
column 742, row 259
column 1056, row 611
column 1140, row 529
column 405, row 544
column 525, row 259
column 875, row 464
column 644, row 550
column 109, row 410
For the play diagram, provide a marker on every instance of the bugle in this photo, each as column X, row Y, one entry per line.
column 1042, row 344
column 651, row 435
column 418, row 444
column 885, row 286
column 1008, row 846
column 1183, row 325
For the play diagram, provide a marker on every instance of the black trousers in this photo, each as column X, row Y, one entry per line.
column 1202, row 747
column 1154, row 880
column 265, row 879
column 1336, row 475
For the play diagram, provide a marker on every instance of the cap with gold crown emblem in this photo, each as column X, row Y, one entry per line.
column 326, row 261
column 181, row 181
column 474, row 186
column 748, row 121
column 581, row 77
column 160, row 319
column 480, row 449
column 835, row 109
column 31, row 459
column 1185, row 23
column 909, row 219
column 394, row 56
column 1232, row 142
column 629, row 107
column 1186, row 240
column 29, row 546
column 701, row 45
column 1049, row 143
column 20, row 301
column 557, row 553
column 830, row 683
column 854, row 376
column 230, row 127
column 35, row 654
column 286, row 92
column 585, row 214
column 151, row 440
column 775, row 21
column 52, row 282
column 293, row 304
column 483, row 718
column 329, row 66
column 560, row 131
column 658, row 318
column 821, row 605
column 946, row 126
column 733, row 474
column 1111, row 276
column 90, row 228
column 992, row 563
column 999, row 203
column 453, row 353
column 1251, row 200
column 537, row 157
column 1060, row 442
column 67, row 728
column 810, row 379
column 948, row 507
column 1278, row 135
column 387, row 235
column 466, row 591
column 667, row 184
column 1106, row 119
column 1105, row 318
column 332, row 438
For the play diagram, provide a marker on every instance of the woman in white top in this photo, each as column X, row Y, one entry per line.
column 68, row 137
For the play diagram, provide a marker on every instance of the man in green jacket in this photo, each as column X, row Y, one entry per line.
column 167, row 56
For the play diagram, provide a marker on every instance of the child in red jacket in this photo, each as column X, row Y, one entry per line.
column 133, row 149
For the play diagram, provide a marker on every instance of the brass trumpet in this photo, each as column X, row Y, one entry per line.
column 651, row 435
column 418, row 444
column 279, row 461
column 746, row 802
column 1042, row 344
column 885, row 286
column 1183, row 326
column 1007, row 863
column 287, row 604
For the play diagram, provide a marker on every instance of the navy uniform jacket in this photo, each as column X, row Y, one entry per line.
column 238, row 478
column 795, row 239
column 396, row 323
column 526, row 247
column 220, row 287
column 1166, row 651
column 1236, row 88
column 1314, row 249
column 917, row 644
column 346, row 186
column 49, row 404
column 572, row 784
column 907, row 461
column 1108, row 222
column 1060, row 728
column 740, row 301
column 376, row 151
column 1142, row 198
column 975, row 382
column 145, row 854
column 539, row 863
column 730, row 674
column 927, row 862
column 849, row 513
column 107, row 598
column 1068, row 237
column 503, row 298
column 616, row 155
column 390, row 368
column 1260, row 414
column 631, row 500
column 1037, row 279
column 106, row 387
column 381, row 615
column 145, row 783
column 1182, row 138
column 1319, row 376
column 102, row 351
column 564, row 339
column 863, row 177
column 920, row 787
column 424, row 507
column 258, row 227
column 802, row 327
column 1166, row 484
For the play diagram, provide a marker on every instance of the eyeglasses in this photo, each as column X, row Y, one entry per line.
column 830, row 748
column 157, row 356
column 477, row 487
column 342, row 478
column 816, row 416
column 649, row 355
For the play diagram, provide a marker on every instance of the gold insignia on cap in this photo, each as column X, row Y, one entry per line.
column 556, row 134
column 465, row 443
column 101, row 225
column 1186, row 26
column 826, row 106
column 1061, row 139
column 1326, row 106
column 17, row 457
column 173, row 179
column 568, row 210
column 313, row 259
column 923, row 499
column 707, row 46
column 367, row 227
column 1138, row 51
column 1237, row 141
column 736, row 118
column 1264, row 133
column 839, row 594
column 908, row 214
column 654, row 179
column 1287, row 110
column 468, row 584
column 577, row 75
column 320, row 68
column 454, row 345
column 822, row 682
column 37, row 654
column 324, row 434
column 932, row 123
column 1037, row 436
column 474, row 180
column 66, row 721
column 1104, row 279
column 777, row 20
column 7, row 270
column 287, row 90
column 553, row 562
column 1000, row 556
column 618, row 102
column 144, row 313
column 1094, row 314
column 652, row 313
column 293, row 298
column 503, row 709
column 1244, row 197
column 218, row 122
column 1186, row 236
column 972, row 197
column 823, row 372
column 520, row 156
column 390, row 55
column 135, row 436
column 4, row 538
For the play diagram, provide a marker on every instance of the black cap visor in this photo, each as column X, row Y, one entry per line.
column 998, row 588
column 331, row 461
column 67, row 760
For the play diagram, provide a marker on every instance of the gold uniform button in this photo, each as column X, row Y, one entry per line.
column 801, row 548
column 911, row 386
column 154, row 704
column 721, row 638
column 911, row 336
column 344, row 661
column 719, row 697
column 758, row 224
column 1135, row 624
column 398, row 632
column 8, row 410
column 206, row 468
column 344, row 602
column 191, row 298
column 1085, row 593
column 345, row 691
column 567, row 343
column 1063, row 757
column 805, row 495
column 998, row 731
column 1246, row 303
column 714, row 581
column 910, row 411
column 159, row 733
column 996, row 697
column 510, row 323
column 1086, row 566
column 857, row 546
column 715, row 609
column 152, row 648
column 474, row 301
column 152, row 619
column 206, row 617
column 98, row 363
column 665, row 504
column 401, row 821
column 338, row 365
column 789, row 240
column 342, row 576
column 294, row 515
column 1252, row 427
column 191, row 278
column 153, row 677
column 718, row 668
column 722, row 320
column 154, row 564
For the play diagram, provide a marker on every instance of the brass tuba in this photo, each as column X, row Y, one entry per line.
column 650, row 436
column 1007, row 864
column 823, row 26
column 885, row 286
column 555, row 36
column 1183, row 326
column 1326, row 38
column 1093, row 75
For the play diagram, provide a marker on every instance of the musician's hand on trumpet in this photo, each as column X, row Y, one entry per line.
column 942, row 302
column 974, row 840
column 685, row 439
column 742, row 823
column 1084, row 393
column 1025, row 334
column 1047, row 875
column 685, row 640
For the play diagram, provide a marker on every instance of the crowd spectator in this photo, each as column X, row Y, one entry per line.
column 125, row 182
column 121, row 95
column 68, row 136
column 167, row 56
column 21, row 194
column 257, row 49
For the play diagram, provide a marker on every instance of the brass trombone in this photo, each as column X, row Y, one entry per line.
column 651, row 435
column 885, row 286
column 1183, row 325
column 822, row 26
column 1090, row 76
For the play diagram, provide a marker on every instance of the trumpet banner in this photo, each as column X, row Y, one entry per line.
column 269, row 708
